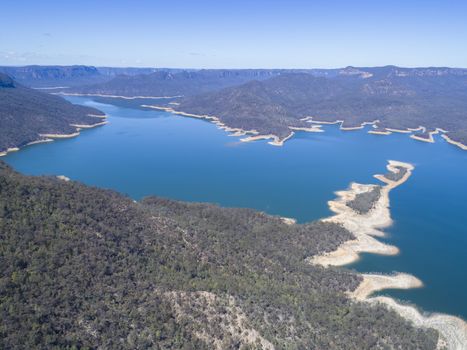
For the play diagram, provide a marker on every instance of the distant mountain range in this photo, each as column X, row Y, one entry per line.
column 53, row 76
column 70, row 76
column 271, row 101
column 175, row 83
column 399, row 98
column 26, row 114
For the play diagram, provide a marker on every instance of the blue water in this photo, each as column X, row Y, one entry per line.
column 143, row 152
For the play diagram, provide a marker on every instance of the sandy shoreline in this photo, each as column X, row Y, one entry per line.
column 86, row 126
column 430, row 138
column 376, row 132
column 9, row 150
column 389, row 131
column 288, row 221
column 399, row 131
column 60, row 136
column 50, row 137
column 456, row 143
column 114, row 96
column 375, row 282
column 39, row 141
column 277, row 141
column 364, row 227
column 314, row 128
column 452, row 330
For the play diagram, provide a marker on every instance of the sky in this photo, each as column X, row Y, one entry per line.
column 234, row 34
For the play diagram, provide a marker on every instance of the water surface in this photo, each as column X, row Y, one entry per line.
column 146, row 152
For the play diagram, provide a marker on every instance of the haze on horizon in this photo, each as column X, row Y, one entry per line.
column 240, row 34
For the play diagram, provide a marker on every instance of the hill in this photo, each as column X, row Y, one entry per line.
column 399, row 98
column 175, row 83
column 84, row 268
column 26, row 114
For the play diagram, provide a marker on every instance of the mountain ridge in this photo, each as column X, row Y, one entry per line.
column 399, row 98
column 27, row 115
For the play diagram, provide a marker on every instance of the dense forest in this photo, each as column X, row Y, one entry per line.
column 26, row 113
column 86, row 268
column 396, row 176
column 398, row 97
column 365, row 201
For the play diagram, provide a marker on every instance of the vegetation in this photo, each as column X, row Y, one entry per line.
column 84, row 268
column 398, row 97
column 26, row 113
column 396, row 176
column 365, row 201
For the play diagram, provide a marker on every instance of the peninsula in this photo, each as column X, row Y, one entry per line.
column 30, row 116
column 390, row 98
column 364, row 210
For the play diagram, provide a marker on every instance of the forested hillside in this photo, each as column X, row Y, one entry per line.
column 26, row 113
column 399, row 98
column 85, row 268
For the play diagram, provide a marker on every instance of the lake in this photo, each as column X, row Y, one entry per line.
column 146, row 152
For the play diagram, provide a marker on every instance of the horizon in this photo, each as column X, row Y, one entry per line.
column 226, row 68
column 209, row 35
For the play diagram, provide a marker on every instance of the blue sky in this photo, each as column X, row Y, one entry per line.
column 234, row 34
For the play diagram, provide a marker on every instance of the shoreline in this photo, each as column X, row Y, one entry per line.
column 314, row 128
column 9, row 150
column 430, row 138
column 60, row 136
column 363, row 226
column 455, row 143
column 377, row 282
column 115, row 96
column 452, row 330
column 50, row 137
column 376, row 132
column 389, row 131
column 86, row 126
column 399, row 131
column 277, row 141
